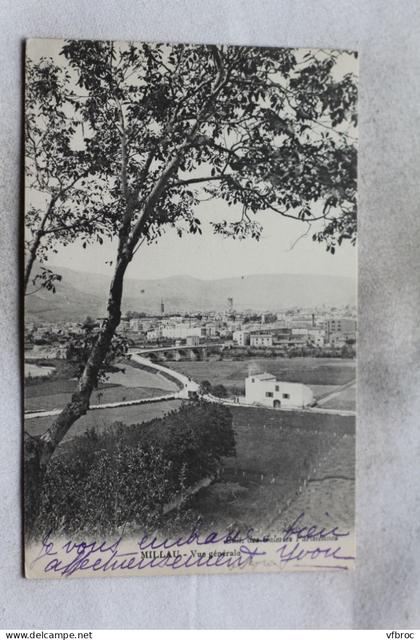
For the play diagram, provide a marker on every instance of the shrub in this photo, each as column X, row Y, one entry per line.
column 220, row 391
column 101, row 483
column 205, row 386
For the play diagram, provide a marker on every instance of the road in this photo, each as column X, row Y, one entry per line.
column 329, row 396
column 187, row 386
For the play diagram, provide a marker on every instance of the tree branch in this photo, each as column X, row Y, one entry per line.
column 36, row 242
column 198, row 180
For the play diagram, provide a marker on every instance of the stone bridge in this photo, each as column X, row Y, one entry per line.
column 181, row 352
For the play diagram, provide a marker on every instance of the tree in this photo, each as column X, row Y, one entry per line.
column 267, row 129
column 205, row 387
column 65, row 195
column 220, row 391
column 80, row 345
column 347, row 350
column 125, row 475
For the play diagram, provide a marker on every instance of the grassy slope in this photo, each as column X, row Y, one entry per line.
column 275, row 452
column 346, row 399
column 109, row 394
column 104, row 418
column 54, row 392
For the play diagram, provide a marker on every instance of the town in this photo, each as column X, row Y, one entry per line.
column 318, row 332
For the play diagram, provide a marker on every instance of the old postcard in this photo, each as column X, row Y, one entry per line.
column 190, row 308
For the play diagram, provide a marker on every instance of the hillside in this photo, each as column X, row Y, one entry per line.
column 80, row 294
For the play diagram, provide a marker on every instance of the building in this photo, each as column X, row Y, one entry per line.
column 136, row 324
column 261, row 340
column 234, row 325
column 182, row 331
column 298, row 340
column 316, row 337
column 242, row 338
column 340, row 325
column 153, row 335
column 312, row 335
column 304, row 331
column 263, row 388
column 341, row 339
column 124, row 325
column 211, row 329
column 281, row 336
column 192, row 341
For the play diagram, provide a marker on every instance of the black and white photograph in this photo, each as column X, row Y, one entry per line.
column 190, row 311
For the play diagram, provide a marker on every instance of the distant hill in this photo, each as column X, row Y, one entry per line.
column 80, row 294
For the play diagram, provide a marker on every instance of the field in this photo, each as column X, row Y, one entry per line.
column 104, row 418
column 286, row 463
column 322, row 375
column 134, row 383
column 346, row 399
column 311, row 371
column 104, row 394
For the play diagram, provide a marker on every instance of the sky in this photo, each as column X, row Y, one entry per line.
column 211, row 256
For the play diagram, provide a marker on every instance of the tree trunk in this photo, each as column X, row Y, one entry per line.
column 40, row 452
column 32, row 482
column 79, row 403
column 39, row 449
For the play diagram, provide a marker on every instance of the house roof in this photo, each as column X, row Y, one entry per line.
column 263, row 376
column 261, row 334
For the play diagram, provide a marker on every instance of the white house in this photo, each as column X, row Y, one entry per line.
column 263, row 388
column 182, row 331
column 241, row 338
column 211, row 329
column 261, row 339
column 153, row 334
column 317, row 336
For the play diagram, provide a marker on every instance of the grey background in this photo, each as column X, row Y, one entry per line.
column 384, row 591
